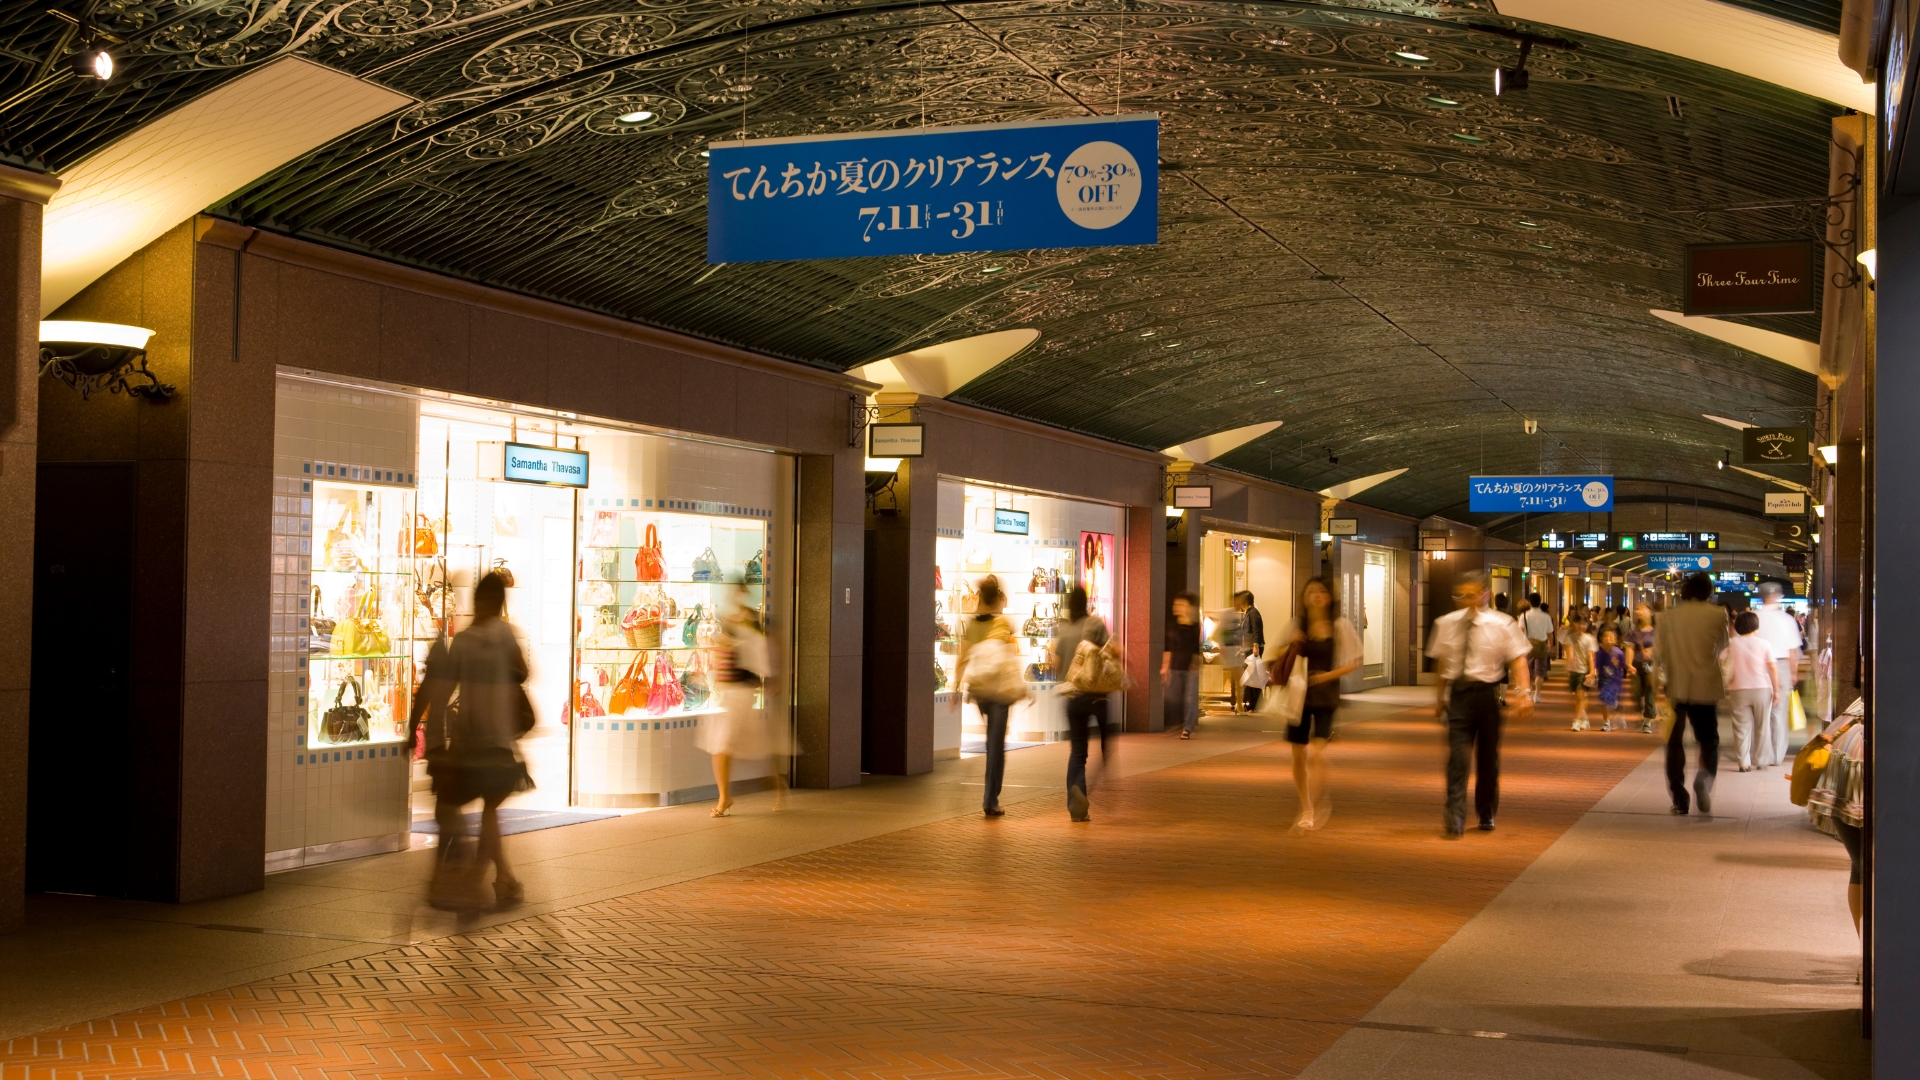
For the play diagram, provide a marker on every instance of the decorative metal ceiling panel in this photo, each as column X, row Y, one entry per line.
column 1357, row 237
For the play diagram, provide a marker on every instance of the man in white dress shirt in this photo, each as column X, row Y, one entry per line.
column 1471, row 648
column 1782, row 635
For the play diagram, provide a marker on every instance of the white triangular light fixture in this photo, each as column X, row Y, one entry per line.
column 1207, row 447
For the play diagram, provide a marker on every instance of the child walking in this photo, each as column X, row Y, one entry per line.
column 1580, row 646
column 1610, row 675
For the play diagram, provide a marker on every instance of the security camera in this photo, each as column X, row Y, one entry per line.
column 1533, row 427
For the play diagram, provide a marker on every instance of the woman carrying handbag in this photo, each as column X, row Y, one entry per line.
column 1330, row 648
column 741, row 666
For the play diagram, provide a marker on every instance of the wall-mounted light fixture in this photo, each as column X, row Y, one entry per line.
column 1830, row 454
column 92, row 356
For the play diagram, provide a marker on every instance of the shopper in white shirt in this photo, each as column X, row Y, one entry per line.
column 1752, row 686
column 1782, row 634
column 1537, row 622
column 1471, row 648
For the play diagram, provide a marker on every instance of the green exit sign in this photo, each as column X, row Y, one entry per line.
column 1628, row 543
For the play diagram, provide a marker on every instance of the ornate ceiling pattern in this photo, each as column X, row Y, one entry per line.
column 1378, row 252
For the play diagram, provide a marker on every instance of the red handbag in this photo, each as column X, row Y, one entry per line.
column 632, row 691
column 586, row 703
column 666, row 695
column 650, row 562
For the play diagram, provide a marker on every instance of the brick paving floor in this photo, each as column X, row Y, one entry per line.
column 1182, row 933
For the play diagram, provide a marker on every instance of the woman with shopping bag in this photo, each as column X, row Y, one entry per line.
column 1304, row 689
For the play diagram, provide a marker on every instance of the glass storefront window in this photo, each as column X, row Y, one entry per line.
column 361, row 597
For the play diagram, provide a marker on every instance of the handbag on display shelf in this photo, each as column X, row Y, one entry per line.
column 939, row 678
column 601, row 564
column 969, row 598
column 606, row 529
column 941, row 631
column 632, row 689
column 650, row 562
column 1040, row 672
column 424, row 540
column 938, row 584
column 694, row 684
column 507, row 524
column 1038, row 624
column 757, row 570
column 690, row 629
column 500, row 567
column 606, row 633
column 346, row 723
column 643, row 621
column 1038, row 582
column 665, row 694
column 598, row 594
column 586, row 703
column 319, row 628
column 1053, row 582
column 706, row 566
column 979, row 559
column 362, row 634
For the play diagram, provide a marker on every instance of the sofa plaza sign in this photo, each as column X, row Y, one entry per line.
column 1775, row 277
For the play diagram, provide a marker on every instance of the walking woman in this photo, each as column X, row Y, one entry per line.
column 740, row 729
column 1639, row 641
column 987, row 639
column 1083, row 709
column 485, row 667
column 1331, row 649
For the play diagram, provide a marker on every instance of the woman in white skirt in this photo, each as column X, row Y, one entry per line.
column 742, row 729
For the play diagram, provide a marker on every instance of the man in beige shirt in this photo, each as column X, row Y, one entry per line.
column 1687, row 642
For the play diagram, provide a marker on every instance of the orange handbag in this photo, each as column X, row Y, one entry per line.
column 632, row 689
column 650, row 562
column 424, row 541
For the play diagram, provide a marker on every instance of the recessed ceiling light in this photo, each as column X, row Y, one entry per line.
column 637, row 116
column 1411, row 57
column 703, row 153
column 1546, row 247
column 1464, row 137
column 1442, row 102
column 1259, row 382
column 1173, row 345
column 992, row 269
column 1149, row 333
column 1528, row 225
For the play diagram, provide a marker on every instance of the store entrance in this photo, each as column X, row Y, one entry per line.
column 80, row 744
column 1367, row 598
column 1232, row 563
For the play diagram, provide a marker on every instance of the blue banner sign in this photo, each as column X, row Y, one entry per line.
column 1090, row 181
column 1685, row 564
column 1538, row 494
column 545, row 465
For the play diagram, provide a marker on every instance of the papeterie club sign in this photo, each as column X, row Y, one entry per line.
column 1775, row 277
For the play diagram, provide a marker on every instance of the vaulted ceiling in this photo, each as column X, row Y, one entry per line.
column 1394, row 262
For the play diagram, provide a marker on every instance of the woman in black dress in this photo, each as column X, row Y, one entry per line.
column 1331, row 649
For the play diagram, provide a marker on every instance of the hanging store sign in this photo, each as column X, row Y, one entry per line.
column 1775, row 277
column 1791, row 532
column 1343, row 526
column 1776, row 446
column 1193, row 497
column 1013, row 522
column 1082, row 182
column 1685, row 564
column 896, row 440
column 1538, row 494
column 1786, row 502
column 548, row 465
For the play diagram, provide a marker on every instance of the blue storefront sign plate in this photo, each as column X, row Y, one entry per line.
column 1685, row 564
column 1538, row 494
column 1010, row 521
column 1079, row 182
column 545, row 465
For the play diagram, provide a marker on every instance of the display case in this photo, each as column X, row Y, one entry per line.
column 1036, row 574
column 652, row 588
column 363, row 615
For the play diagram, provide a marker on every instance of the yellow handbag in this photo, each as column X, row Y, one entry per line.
column 1809, row 763
column 364, row 634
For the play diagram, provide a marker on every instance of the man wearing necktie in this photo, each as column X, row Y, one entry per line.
column 1472, row 647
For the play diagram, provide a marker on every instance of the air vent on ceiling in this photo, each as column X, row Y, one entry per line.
column 1674, row 106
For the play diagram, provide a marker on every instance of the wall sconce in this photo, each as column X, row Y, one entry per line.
column 93, row 356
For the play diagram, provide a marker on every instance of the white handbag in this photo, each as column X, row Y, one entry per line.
column 1256, row 673
column 1287, row 701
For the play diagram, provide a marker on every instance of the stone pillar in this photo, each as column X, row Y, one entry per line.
column 831, row 608
column 22, row 196
column 898, row 706
column 1146, row 606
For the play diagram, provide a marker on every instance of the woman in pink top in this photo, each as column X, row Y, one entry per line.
column 1751, row 683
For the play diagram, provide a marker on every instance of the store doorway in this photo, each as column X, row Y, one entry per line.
column 1231, row 563
column 80, row 742
column 1367, row 593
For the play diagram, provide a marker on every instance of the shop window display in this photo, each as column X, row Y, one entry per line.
column 362, row 604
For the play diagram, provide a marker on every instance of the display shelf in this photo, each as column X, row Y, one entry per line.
column 669, row 581
column 360, row 656
column 652, row 648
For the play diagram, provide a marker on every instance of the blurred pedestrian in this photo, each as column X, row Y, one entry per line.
column 989, row 669
column 1609, row 675
column 1180, row 662
column 741, row 730
column 1688, row 641
column 1537, row 622
column 487, row 672
column 1330, row 647
column 1580, row 647
column 1752, row 684
column 1085, row 708
column 1227, row 627
column 1471, row 646
column 1253, row 638
column 1781, row 631
column 1639, row 642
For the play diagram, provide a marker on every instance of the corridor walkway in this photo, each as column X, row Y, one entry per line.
column 1181, row 933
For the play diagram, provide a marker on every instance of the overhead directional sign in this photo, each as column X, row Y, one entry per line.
column 1538, row 494
column 1686, row 564
column 1091, row 181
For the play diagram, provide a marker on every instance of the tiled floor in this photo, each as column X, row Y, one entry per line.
column 1181, row 933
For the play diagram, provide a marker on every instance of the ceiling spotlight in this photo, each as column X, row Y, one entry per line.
column 92, row 63
column 1513, row 78
column 637, row 116
column 703, row 153
column 1441, row 102
column 1532, row 426
column 1725, row 456
column 1408, row 56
